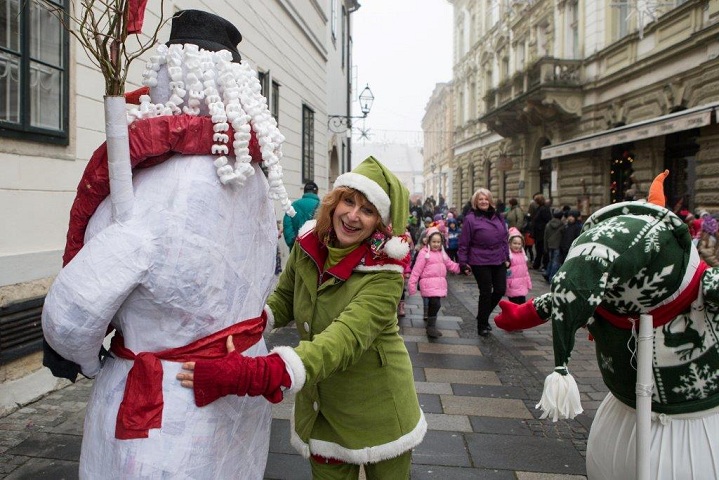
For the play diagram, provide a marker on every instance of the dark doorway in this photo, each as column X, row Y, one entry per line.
column 680, row 159
column 621, row 174
column 545, row 178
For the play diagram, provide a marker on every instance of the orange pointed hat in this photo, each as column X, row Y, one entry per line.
column 656, row 191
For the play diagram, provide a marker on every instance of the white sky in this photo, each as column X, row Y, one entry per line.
column 402, row 49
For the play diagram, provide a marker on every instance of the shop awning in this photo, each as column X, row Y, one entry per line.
column 674, row 122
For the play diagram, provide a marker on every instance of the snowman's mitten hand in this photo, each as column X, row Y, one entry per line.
column 517, row 317
column 236, row 374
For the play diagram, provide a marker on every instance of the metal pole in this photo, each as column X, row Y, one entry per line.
column 643, row 391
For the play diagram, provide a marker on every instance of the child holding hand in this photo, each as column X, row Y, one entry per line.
column 430, row 270
column 519, row 283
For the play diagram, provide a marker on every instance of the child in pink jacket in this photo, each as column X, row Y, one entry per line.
column 430, row 270
column 519, row 282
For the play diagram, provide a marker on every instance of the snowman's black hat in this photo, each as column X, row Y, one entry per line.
column 206, row 30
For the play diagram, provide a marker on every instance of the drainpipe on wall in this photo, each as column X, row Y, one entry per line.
column 352, row 7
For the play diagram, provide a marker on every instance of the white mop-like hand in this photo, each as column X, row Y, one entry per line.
column 560, row 398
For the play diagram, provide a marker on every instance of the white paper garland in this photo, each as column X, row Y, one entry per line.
column 209, row 83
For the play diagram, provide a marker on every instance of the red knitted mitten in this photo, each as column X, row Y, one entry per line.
column 240, row 375
column 517, row 317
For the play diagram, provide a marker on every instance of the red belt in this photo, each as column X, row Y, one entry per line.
column 141, row 407
column 664, row 313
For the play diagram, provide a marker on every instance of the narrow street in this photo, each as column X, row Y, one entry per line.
column 478, row 395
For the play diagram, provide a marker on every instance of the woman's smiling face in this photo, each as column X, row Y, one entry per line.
column 354, row 220
column 482, row 202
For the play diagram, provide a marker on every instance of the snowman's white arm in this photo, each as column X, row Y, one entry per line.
column 88, row 292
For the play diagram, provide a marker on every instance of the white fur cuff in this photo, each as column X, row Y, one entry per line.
column 270, row 319
column 294, row 367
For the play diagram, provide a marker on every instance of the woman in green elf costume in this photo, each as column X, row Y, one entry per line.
column 636, row 258
column 356, row 402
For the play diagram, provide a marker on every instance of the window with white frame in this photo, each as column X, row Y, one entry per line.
column 473, row 30
column 271, row 91
column 573, row 30
column 620, row 24
column 520, row 56
column 308, row 144
column 343, row 42
column 460, row 108
column 34, row 51
column 275, row 105
column 472, row 105
column 503, row 65
column 494, row 12
column 487, row 16
column 542, row 40
column 460, row 38
column 333, row 18
column 488, row 78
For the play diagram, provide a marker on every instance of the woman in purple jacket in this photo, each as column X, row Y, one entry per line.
column 483, row 246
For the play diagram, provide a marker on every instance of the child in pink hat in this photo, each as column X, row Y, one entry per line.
column 430, row 270
column 518, row 280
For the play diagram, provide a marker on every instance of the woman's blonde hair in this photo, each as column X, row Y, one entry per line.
column 327, row 207
column 486, row 193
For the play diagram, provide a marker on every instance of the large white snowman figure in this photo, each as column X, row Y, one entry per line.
column 193, row 264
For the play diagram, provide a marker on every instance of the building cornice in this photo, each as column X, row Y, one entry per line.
column 306, row 30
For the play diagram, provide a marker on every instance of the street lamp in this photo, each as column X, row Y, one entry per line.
column 339, row 123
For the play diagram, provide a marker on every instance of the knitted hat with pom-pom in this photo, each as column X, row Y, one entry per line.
column 385, row 191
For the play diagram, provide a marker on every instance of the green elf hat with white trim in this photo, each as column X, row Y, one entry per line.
column 391, row 198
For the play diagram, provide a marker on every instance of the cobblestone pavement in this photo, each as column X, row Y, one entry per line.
column 478, row 395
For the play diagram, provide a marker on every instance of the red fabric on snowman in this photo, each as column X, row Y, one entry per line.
column 152, row 141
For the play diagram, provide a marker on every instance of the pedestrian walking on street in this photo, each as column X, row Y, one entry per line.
column 305, row 208
column 540, row 218
column 430, row 271
column 515, row 215
column 519, row 283
column 355, row 402
column 484, row 247
column 571, row 231
column 552, row 240
column 453, row 233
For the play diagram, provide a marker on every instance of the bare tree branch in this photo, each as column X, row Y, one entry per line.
column 101, row 30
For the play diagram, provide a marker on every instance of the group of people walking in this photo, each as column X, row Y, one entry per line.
column 496, row 246
column 482, row 249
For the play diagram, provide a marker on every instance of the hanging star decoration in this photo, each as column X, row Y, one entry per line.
column 646, row 11
column 365, row 133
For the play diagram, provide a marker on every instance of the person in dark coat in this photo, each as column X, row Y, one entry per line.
column 552, row 239
column 570, row 233
column 541, row 217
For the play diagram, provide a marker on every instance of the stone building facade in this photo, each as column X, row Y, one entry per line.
column 438, row 131
column 586, row 100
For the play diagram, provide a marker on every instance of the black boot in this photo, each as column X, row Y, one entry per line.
column 483, row 329
column 432, row 331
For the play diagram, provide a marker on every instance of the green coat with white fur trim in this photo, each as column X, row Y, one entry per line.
column 358, row 402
